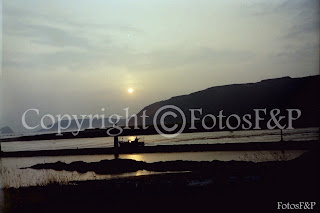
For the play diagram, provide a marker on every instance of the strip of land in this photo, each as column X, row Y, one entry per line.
column 253, row 146
column 229, row 168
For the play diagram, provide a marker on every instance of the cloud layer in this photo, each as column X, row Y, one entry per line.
column 79, row 56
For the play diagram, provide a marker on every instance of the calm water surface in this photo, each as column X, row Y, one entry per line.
column 152, row 140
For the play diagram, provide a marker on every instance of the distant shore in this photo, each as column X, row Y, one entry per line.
column 97, row 132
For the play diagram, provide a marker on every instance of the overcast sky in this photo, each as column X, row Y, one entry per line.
column 79, row 56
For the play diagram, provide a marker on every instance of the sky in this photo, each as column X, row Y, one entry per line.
column 79, row 56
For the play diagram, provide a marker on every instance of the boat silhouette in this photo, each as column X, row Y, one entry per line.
column 131, row 143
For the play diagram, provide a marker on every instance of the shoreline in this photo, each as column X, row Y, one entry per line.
column 252, row 146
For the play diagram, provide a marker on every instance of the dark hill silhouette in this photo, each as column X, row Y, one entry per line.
column 282, row 93
column 6, row 130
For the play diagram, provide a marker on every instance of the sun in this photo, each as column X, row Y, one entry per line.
column 130, row 90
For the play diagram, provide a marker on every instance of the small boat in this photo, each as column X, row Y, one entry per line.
column 131, row 143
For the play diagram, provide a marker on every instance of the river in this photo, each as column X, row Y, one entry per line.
column 12, row 174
